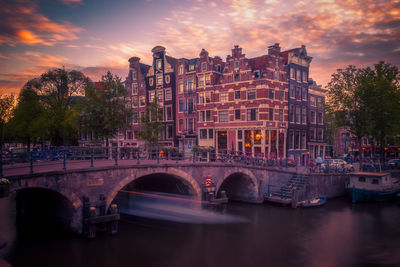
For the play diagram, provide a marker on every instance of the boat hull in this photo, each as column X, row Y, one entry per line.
column 357, row 195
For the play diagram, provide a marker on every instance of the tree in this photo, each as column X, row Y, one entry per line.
column 105, row 109
column 382, row 99
column 29, row 122
column 346, row 102
column 6, row 109
column 151, row 126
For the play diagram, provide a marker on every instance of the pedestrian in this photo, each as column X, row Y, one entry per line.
column 319, row 162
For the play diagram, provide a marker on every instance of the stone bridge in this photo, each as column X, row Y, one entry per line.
column 63, row 192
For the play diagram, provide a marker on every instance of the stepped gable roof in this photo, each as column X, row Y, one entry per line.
column 285, row 54
column 144, row 68
column 258, row 63
column 171, row 60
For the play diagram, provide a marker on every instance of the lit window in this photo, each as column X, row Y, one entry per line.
column 180, row 69
column 134, row 88
column 304, row 76
column 224, row 97
column 142, row 101
column 180, row 86
column 190, row 84
column 191, row 67
column 159, row 63
column 133, row 74
column 201, row 80
column 208, row 97
column 135, row 101
column 292, row 75
column 151, row 96
column 160, row 95
column 298, row 75
column 201, row 98
column 208, row 79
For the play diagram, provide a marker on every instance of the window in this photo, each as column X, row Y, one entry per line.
column 203, row 133
column 236, row 64
column 361, row 179
column 292, row 91
column 159, row 79
column 298, row 114
column 151, row 81
column 180, row 86
column 303, row 140
column 135, row 117
column 208, row 79
column 134, row 88
column 190, row 106
column 167, row 79
column 134, row 101
column 219, row 68
column 320, row 120
column 236, row 77
column 312, row 101
column 271, row 114
column 304, row 115
column 292, row 75
column 257, row 74
column 201, row 98
column 252, row 114
column 208, row 97
column 276, row 74
column 237, row 114
column 375, row 181
column 180, row 125
column 281, row 115
column 298, row 93
column 142, row 101
column 240, row 134
column 191, row 67
column 223, row 97
column 210, row 134
column 204, row 66
column 151, row 96
column 291, row 113
column 133, row 74
column 312, row 116
column 305, row 76
column 281, row 95
column 312, row 133
column 168, row 94
column 251, row 94
column 201, row 80
column 320, row 134
column 208, row 115
column 271, row 94
column 170, row 131
column 201, row 115
column 304, row 93
column 237, row 94
column 298, row 75
column 190, row 84
column 190, row 125
column 180, row 69
column 223, row 116
column 158, row 64
column 168, row 111
column 160, row 95
column 180, row 105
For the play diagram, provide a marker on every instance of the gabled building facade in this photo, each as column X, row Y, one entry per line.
column 186, row 102
column 160, row 84
column 297, row 65
column 316, row 120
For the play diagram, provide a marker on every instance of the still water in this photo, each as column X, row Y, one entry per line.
column 337, row 234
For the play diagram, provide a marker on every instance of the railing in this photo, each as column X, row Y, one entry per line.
column 23, row 162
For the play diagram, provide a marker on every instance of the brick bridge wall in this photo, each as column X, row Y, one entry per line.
column 91, row 182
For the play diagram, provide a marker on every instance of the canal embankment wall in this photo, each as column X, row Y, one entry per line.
column 328, row 185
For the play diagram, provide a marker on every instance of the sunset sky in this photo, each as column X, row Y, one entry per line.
column 96, row 35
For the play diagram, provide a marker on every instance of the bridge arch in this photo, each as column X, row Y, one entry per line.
column 44, row 203
column 239, row 184
column 142, row 172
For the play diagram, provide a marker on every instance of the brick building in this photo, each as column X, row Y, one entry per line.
column 297, row 66
column 245, row 106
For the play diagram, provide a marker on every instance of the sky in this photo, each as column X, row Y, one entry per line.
column 94, row 36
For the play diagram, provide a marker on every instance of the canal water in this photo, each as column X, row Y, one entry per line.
column 337, row 234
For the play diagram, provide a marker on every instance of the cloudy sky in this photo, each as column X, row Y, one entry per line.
column 96, row 35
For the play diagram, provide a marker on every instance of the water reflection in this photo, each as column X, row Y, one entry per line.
column 171, row 207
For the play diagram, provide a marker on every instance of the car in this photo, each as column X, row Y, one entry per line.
column 394, row 164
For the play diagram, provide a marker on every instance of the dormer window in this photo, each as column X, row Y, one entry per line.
column 236, row 64
column 151, row 81
column 158, row 64
column 204, row 66
column 257, row 74
column 167, row 79
column 219, row 68
column 180, row 70
column 191, row 67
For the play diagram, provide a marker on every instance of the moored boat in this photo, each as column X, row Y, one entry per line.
column 315, row 202
column 372, row 186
